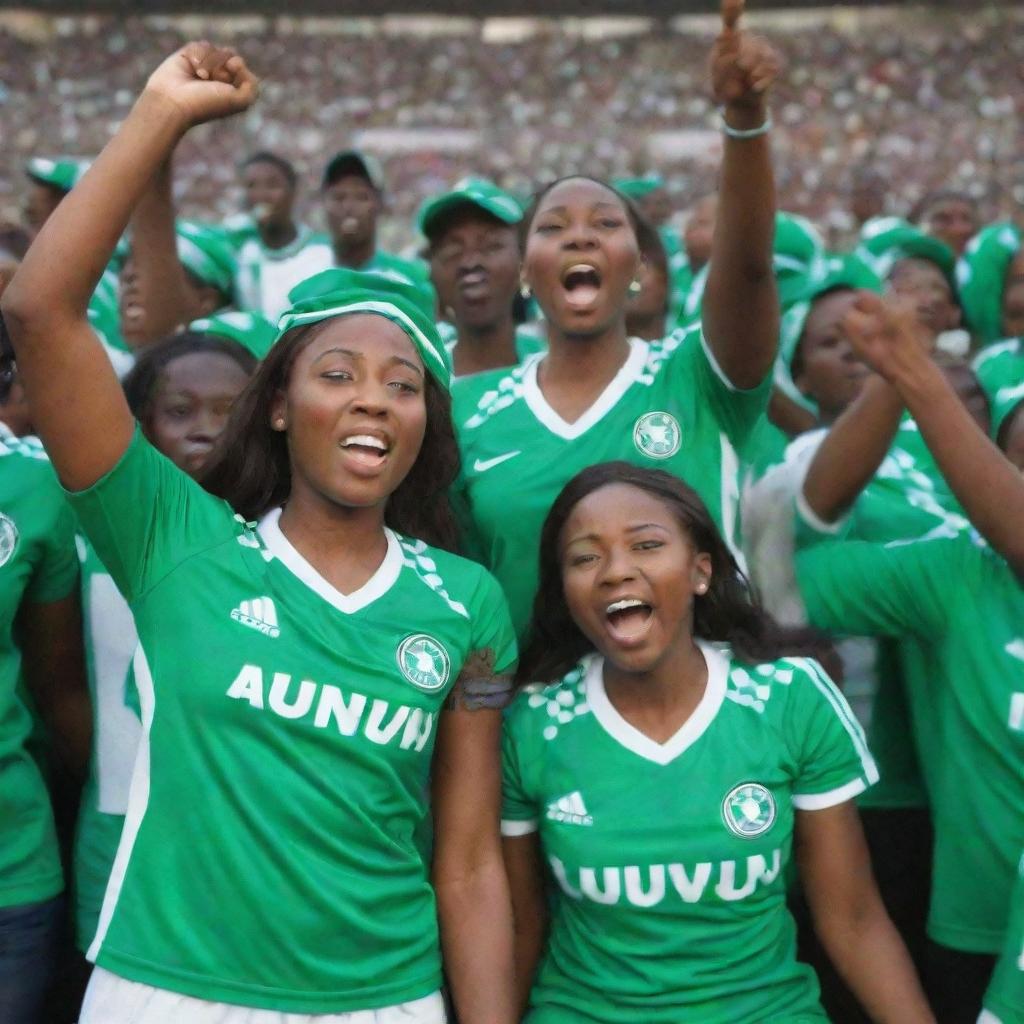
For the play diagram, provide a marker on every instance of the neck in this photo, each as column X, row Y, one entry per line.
column 486, row 347
column 650, row 328
column 277, row 236
column 345, row 545
column 354, row 254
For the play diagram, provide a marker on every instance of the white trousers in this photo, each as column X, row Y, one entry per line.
column 110, row 999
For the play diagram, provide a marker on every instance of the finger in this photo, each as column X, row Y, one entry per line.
column 868, row 302
column 213, row 62
column 732, row 11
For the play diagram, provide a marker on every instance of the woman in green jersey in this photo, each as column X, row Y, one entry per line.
column 665, row 774
column 686, row 403
column 301, row 644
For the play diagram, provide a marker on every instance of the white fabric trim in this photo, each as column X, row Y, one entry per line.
column 819, row 801
column 689, row 732
column 603, row 404
column 713, row 363
column 376, row 586
column 511, row 828
column 988, row 1017
column 813, row 520
column 138, row 802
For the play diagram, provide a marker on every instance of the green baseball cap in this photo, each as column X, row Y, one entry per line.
column 340, row 292
column 637, row 188
column 250, row 330
column 354, row 161
column 478, row 192
column 206, row 251
column 58, row 172
column 981, row 276
column 884, row 241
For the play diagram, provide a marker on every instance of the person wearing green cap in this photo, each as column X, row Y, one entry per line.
column 473, row 249
column 50, row 180
column 956, row 600
column 250, row 330
column 990, row 276
column 311, row 657
column 950, row 216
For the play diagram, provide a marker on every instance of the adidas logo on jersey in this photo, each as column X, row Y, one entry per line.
column 259, row 614
column 570, row 809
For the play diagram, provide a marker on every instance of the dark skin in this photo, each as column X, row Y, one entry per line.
column 351, row 208
column 474, row 264
column 40, row 201
column 951, row 220
column 14, row 411
column 645, row 317
column 270, row 197
column 656, row 206
column 1013, row 310
column 1011, row 437
column 924, row 284
column 699, row 231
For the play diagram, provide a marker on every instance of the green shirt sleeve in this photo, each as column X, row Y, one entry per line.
column 492, row 626
column 831, row 761
column 55, row 575
column 518, row 802
column 146, row 516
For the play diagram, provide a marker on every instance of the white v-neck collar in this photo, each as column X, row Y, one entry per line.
column 377, row 585
column 691, row 730
column 603, row 404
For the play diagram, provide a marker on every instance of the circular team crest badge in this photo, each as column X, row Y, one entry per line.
column 749, row 810
column 658, row 435
column 424, row 662
column 8, row 538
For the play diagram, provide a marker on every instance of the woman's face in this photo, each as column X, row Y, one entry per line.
column 951, row 220
column 190, row 406
column 924, row 284
column 354, row 411
column 629, row 573
column 581, row 254
column 269, row 194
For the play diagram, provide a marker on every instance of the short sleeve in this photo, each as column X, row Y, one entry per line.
column 146, row 516
column 492, row 626
column 518, row 807
column 56, row 574
column 737, row 411
column 830, row 757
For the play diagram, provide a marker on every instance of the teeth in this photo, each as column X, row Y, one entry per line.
column 626, row 602
column 366, row 441
column 581, row 268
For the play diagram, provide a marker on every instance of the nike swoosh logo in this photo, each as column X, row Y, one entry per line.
column 482, row 465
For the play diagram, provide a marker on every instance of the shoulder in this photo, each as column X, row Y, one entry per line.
column 767, row 687
column 540, row 711
column 482, row 396
column 25, row 458
column 465, row 586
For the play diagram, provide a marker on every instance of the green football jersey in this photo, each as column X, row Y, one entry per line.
column 37, row 565
column 269, row 855
column 110, row 641
column 1004, row 1000
column 1000, row 370
column 669, row 859
column 963, row 608
column 669, row 407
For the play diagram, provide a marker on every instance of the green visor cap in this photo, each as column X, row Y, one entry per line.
column 981, row 276
column 206, row 251
column 61, row 172
column 250, row 330
column 478, row 192
column 353, row 161
column 338, row 292
column 830, row 274
column 637, row 188
column 884, row 241
column 798, row 252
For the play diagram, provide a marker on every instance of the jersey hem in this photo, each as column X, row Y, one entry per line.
column 238, row 994
column 820, row 801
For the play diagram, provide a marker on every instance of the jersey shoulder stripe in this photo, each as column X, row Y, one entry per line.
column 505, row 391
column 425, row 562
column 753, row 685
column 29, row 447
column 547, row 707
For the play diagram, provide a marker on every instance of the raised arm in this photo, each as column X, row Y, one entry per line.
column 72, row 389
column 741, row 304
column 982, row 478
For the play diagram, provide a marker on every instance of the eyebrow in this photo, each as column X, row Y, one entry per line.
column 564, row 210
column 629, row 529
column 395, row 360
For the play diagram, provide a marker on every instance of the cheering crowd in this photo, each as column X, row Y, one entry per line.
column 580, row 618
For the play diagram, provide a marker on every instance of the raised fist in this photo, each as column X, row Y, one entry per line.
column 886, row 334
column 743, row 67
column 205, row 82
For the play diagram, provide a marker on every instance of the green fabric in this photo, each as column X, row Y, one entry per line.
column 981, row 277
column 339, row 292
column 58, row 172
column 1005, row 995
column 884, row 241
column 38, row 564
column 637, row 188
column 961, row 607
column 478, row 192
column 1000, row 371
column 288, row 732
column 206, row 251
column 672, row 857
column 250, row 330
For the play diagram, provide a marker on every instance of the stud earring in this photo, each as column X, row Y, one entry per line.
column 524, row 290
column 279, row 424
column 634, row 287
column 702, row 587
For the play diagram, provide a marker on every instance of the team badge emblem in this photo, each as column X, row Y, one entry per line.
column 749, row 810
column 658, row 435
column 424, row 662
column 8, row 538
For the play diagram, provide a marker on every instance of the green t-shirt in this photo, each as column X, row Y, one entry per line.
column 1000, row 370
column 269, row 853
column 669, row 859
column 670, row 407
column 37, row 565
column 110, row 641
column 1004, row 1000
column 964, row 607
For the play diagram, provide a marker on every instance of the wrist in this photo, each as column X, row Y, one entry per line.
column 918, row 380
column 159, row 108
column 746, row 116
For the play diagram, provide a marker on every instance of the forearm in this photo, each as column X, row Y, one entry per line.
column 848, row 458
column 475, row 915
column 741, row 310
column 982, row 478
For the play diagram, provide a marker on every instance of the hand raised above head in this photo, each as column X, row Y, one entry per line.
column 743, row 66
column 205, row 82
column 886, row 334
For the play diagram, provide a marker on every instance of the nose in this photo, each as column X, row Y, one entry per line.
column 207, row 426
column 618, row 567
column 579, row 236
column 372, row 399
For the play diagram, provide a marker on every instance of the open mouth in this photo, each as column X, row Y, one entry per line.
column 628, row 619
column 366, row 449
column 474, row 284
column 350, row 226
column 581, row 282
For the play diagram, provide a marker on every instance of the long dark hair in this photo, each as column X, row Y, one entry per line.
column 251, row 470
column 730, row 610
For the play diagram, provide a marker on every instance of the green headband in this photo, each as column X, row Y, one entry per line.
column 884, row 241
column 637, row 188
column 250, row 330
column 981, row 276
column 338, row 292
column 206, row 251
